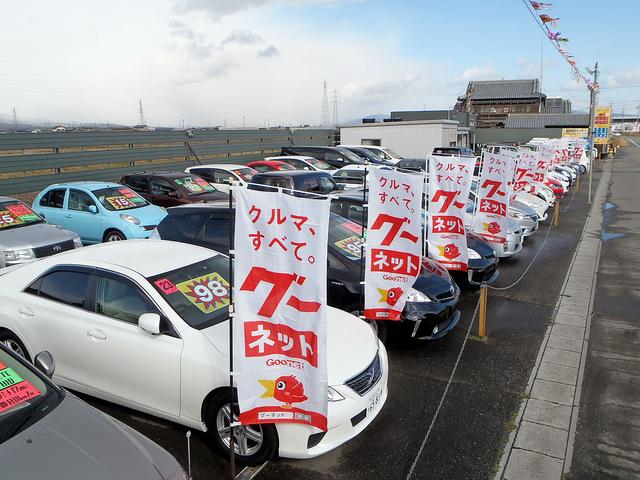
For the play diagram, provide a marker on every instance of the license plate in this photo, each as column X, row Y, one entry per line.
column 374, row 400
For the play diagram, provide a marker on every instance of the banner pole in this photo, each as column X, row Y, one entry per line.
column 365, row 211
column 232, row 456
column 556, row 214
column 482, row 319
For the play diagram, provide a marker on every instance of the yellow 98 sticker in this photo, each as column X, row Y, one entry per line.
column 209, row 292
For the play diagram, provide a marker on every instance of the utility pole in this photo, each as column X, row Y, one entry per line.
column 15, row 120
column 622, row 119
column 592, row 118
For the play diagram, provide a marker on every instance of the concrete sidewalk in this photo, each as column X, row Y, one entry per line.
column 541, row 447
column 607, row 443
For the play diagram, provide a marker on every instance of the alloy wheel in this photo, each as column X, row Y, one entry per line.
column 13, row 346
column 247, row 438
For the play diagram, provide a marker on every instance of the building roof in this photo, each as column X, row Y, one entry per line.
column 503, row 89
column 543, row 120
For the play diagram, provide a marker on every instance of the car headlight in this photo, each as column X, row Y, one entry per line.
column 333, row 395
column 15, row 255
column 517, row 215
column 472, row 254
column 417, row 296
column 129, row 218
column 77, row 243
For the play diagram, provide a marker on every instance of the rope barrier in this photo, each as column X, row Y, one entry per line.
column 444, row 395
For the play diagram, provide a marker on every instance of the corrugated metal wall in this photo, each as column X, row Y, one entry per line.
column 30, row 162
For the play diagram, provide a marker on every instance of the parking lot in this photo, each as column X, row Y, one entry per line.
column 480, row 408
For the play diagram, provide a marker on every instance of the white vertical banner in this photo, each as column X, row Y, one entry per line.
column 449, row 186
column 525, row 169
column 493, row 196
column 394, row 241
column 542, row 166
column 280, row 303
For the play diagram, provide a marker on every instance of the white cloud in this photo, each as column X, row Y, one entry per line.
column 268, row 52
column 478, row 72
column 242, row 36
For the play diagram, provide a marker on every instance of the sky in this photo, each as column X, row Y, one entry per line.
column 263, row 62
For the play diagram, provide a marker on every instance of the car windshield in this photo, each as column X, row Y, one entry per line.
column 199, row 293
column 283, row 166
column 349, row 154
column 244, row 173
column 14, row 214
column 345, row 237
column 119, row 198
column 319, row 164
column 194, row 185
column 24, row 396
column 391, row 153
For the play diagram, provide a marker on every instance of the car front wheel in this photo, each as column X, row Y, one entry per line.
column 113, row 236
column 252, row 445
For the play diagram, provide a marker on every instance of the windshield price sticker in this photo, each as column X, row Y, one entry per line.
column 128, row 193
column 8, row 220
column 351, row 246
column 166, row 286
column 19, row 210
column 120, row 202
column 193, row 187
column 209, row 292
column 14, row 390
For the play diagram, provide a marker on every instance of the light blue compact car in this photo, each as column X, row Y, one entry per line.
column 98, row 211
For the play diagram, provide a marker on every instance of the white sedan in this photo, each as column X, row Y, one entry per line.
column 117, row 335
column 222, row 175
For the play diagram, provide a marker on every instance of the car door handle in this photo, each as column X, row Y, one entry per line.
column 97, row 334
column 68, row 215
column 25, row 311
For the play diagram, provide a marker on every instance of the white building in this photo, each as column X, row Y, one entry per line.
column 412, row 139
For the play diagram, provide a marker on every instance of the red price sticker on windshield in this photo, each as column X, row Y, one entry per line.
column 166, row 286
column 119, row 202
column 19, row 209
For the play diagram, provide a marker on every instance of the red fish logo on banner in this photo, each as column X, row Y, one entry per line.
column 449, row 185
column 280, row 297
column 394, row 241
column 493, row 196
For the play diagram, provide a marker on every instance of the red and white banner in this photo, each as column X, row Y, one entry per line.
column 280, row 302
column 449, row 185
column 545, row 156
column 525, row 170
column 493, row 196
column 394, row 241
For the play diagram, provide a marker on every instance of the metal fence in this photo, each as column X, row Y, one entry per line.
column 30, row 162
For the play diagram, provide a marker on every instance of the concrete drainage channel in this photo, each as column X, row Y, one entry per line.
column 542, row 445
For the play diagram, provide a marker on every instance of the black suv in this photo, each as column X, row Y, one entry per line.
column 297, row 181
column 431, row 314
column 335, row 156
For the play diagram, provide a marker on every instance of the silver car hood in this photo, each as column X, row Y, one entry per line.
column 37, row 235
column 76, row 442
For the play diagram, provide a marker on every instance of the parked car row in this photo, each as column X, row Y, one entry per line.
column 136, row 346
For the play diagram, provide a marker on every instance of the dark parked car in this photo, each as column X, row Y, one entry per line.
column 368, row 156
column 168, row 189
column 454, row 151
column 483, row 261
column 432, row 309
column 335, row 156
column 298, row 180
column 47, row 432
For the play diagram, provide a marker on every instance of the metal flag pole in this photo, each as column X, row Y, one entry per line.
column 365, row 211
column 592, row 117
column 232, row 455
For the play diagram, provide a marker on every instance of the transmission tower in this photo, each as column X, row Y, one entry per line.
column 15, row 119
column 325, row 105
column 142, row 119
column 335, row 108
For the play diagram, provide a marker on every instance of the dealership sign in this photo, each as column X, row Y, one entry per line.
column 449, row 185
column 493, row 195
column 602, row 125
column 394, row 241
column 575, row 132
column 280, row 302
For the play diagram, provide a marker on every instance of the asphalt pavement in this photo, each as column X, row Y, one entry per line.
column 607, row 444
column 480, row 409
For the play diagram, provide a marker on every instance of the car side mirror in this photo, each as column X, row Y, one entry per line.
column 93, row 209
column 340, row 186
column 45, row 363
column 150, row 323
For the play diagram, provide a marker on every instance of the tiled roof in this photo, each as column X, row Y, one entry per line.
column 542, row 120
column 503, row 89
